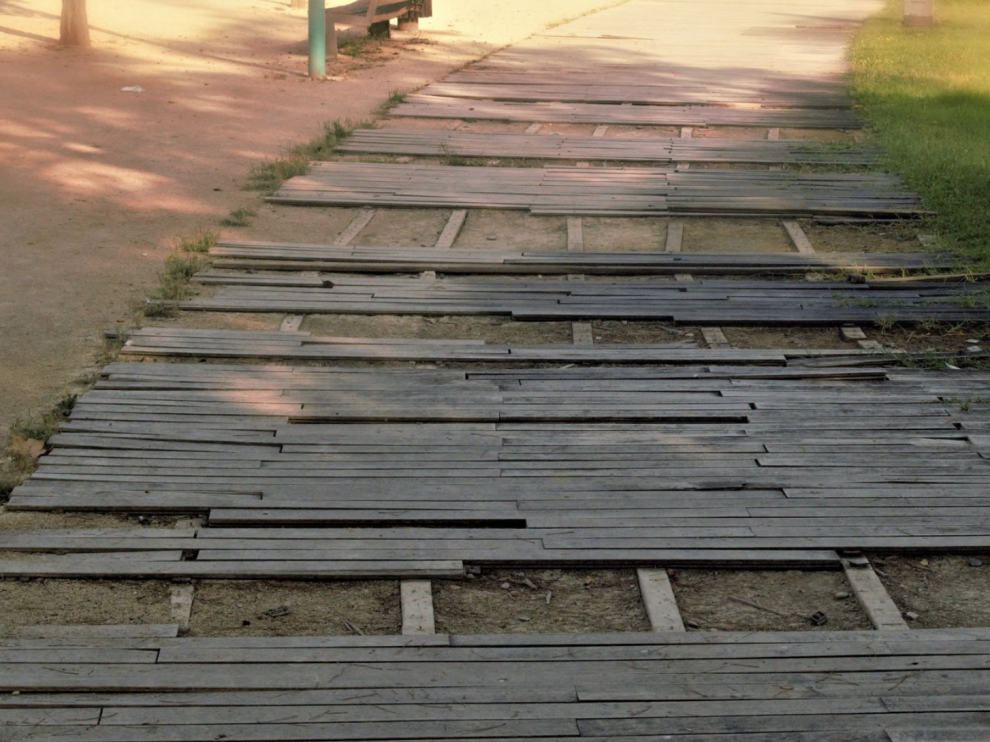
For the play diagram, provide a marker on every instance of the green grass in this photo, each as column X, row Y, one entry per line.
column 926, row 93
column 174, row 283
column 269, row 175
column 238, row 218
column 15, row 467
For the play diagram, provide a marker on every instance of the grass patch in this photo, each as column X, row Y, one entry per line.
column 188, row 257
column 394, row 99
column 926, row 92
column 238, row 218
column 28, row 439
column 269, row 175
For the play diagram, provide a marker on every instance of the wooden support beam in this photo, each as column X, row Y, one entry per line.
column 355, row 227
column 292, row 322
column 452, row 229
column 798, row 238
column 853, row 333
column 575, row 233
column 582, row 333
column 872, row 595
column 715, row 337
column 180, row 600
column 675, row 235
column 417, row 607
column 658, row 597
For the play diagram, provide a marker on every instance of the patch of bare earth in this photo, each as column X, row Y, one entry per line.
column 951, row 591
column 735, row 235
column 276, row 608
column 541, row 601
column 487, row 229
column 612, row 234
column 765, row 600
column 83, row 602
column 869, row 238
column 626, row 331
column 489, row 329
column 787, row 337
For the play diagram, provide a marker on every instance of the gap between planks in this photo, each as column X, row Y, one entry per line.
column 803, row 245
column 181, row 595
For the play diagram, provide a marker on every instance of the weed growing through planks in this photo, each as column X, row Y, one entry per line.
column 965, row 404
column 269, row 175
column 238, row 218
column 926, row 93
column 450, row 158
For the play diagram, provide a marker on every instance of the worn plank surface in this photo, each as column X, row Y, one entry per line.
column 353, row 471
column 283, row 256
column 704, row 302
column 633, row 191
column 683, row 686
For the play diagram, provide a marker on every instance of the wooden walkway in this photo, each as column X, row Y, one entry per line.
column 277, row 256
column 442, row 468
column 686, row 687
column 613, row 149
column 299, row 345
column 602, row 191
column 703, row 302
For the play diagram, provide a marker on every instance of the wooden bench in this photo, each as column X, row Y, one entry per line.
column 369, row 13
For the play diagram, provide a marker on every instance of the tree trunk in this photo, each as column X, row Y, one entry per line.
column 75, row 25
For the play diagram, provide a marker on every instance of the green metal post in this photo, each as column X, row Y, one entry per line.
column 317, row 39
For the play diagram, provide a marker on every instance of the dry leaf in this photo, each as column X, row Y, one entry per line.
column 29, row 448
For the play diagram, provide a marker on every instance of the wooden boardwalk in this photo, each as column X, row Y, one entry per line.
column 602, row 191
column 686, row 687
column 439, row 143
column 703, row 302
column 441, row 468
column 304, row 456
column 285, row 256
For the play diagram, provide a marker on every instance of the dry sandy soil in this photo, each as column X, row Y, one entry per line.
column 95, row 182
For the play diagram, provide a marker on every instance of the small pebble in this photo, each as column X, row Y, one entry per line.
column 910, row 615
column 924, row 562
column 972, row 341
column 975, row 562
column 974, row 349
column 842, row 596
column 692, row 624
column 525, row 618
column 505, row 585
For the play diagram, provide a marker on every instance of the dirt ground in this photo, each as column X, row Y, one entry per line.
column 96, row 182
column 950, row 591
column 270, row 608
column 541, row 601
column 83, row 602
column 711, row 600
